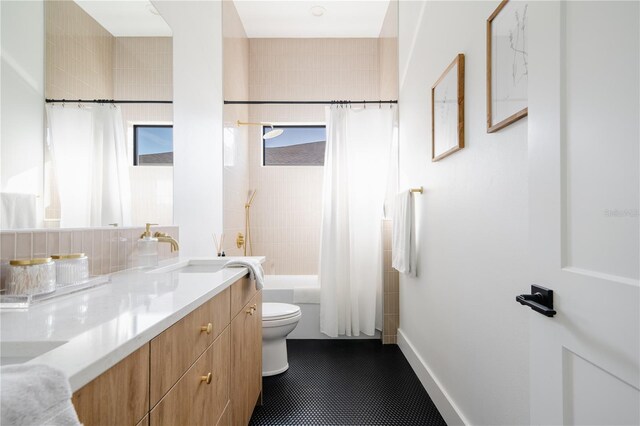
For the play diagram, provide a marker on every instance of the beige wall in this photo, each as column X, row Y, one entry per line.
column 236, row 144
column 287, row 209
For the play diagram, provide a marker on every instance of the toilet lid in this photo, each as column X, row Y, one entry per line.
column 277, row 311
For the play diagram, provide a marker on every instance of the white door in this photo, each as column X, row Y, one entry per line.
column 584, row 198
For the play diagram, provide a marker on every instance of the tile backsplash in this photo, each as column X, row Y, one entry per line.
column 391, row 291
column 108, row 249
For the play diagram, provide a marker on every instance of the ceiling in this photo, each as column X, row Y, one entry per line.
column 130, row 18
column 294, row 18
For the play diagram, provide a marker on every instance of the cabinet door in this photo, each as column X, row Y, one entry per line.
column 196, row 400
column 119, row 396
column 246, row 360
column 176, row 348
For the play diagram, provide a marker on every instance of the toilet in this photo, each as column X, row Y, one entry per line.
column 278, row 320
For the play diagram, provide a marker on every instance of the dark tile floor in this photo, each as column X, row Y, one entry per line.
column 345, row 382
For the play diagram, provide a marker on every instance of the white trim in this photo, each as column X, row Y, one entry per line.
column 444, row 403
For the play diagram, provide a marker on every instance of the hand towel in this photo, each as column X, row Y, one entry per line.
column 35, row 395
column 403, row 249
column 18, row 211
column 256, row 273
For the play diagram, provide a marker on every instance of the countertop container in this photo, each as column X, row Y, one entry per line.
column 30, row 277
column 71, row 268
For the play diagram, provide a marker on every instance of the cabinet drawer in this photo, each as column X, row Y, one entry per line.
column 193, row 401
column 175, row 349
column 241, row 293
column 119, row 396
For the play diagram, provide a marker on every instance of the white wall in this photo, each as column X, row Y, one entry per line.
column 459, row 321
column 197, row 117
column 22, row 90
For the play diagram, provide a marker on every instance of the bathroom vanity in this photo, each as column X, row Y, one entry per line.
column 174, row 346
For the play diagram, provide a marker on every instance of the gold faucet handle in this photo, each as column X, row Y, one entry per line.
column 160, row 234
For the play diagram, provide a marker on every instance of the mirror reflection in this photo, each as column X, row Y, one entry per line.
column 105, row 155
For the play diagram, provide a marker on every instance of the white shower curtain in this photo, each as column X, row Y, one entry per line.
column 355, row 183
column 89, row 156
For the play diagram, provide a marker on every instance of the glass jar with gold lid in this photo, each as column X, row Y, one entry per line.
column 71, row 268
column 30, row 277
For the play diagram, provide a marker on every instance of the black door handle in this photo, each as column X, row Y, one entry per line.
column 540, row 300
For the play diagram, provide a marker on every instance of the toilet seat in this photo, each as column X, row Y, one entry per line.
column 279, row 311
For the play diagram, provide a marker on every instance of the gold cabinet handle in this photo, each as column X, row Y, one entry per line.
column 255, row 306
column 206, row 378
column 250, row 311
column 208, row 328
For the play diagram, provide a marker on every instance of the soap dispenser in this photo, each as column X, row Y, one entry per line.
column 148, row 248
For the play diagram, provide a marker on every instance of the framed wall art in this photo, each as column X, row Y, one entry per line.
column 447, row 111
column 507, row 65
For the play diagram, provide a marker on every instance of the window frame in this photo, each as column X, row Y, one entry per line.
column 285, row 126
column 134, row 142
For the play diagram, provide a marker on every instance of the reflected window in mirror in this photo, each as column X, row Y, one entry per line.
column 152, row 145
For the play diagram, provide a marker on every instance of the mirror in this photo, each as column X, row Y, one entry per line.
column 85, row 164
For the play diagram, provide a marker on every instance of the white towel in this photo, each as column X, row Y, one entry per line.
column 256, row 272
column 18, row 211
column 403, row 250
column 35, row 395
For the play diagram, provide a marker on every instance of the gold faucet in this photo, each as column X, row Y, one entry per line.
column 164, row 238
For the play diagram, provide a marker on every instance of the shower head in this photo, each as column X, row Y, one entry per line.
column 273, row 133
column 253, row 194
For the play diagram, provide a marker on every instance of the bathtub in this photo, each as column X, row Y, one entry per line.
column 304, row 291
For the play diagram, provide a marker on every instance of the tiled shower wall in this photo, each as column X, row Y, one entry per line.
column 391, row 290
column 143, row 69
column 286, row 212
column 108, row 249
column 388, row 48
column 236, row 143
column 79, row 54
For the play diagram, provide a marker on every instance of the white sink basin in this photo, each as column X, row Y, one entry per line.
column 20, row 352
column 199, row 266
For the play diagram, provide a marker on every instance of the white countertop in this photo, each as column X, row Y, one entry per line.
column 92, row 330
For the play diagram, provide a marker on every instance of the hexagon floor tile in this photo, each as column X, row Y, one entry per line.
column 345, row 382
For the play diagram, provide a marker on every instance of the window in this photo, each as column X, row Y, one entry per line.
column 297, row 146
column 152, row 145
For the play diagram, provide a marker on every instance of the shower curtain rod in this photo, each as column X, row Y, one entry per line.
column 101, row 101
column 307, row 102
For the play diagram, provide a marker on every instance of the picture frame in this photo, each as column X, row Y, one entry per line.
column 507, row 65
column 447, row 111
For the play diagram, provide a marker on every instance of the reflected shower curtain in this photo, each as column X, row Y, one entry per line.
column 89, row 156
column 355, row 183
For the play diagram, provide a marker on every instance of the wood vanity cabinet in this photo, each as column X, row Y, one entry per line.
column 119, row 396
column 206, row 369
column 246, row 360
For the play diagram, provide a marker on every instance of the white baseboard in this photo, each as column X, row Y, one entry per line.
column 438, row 394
